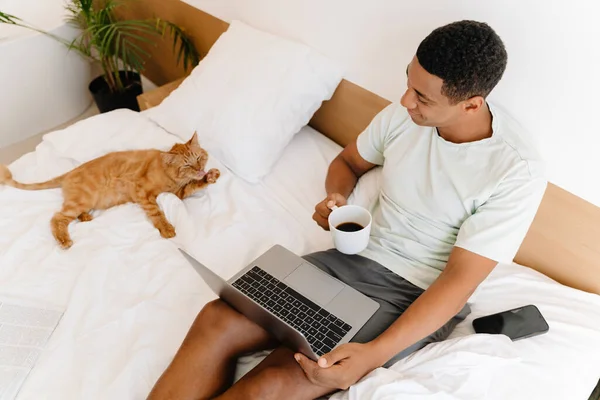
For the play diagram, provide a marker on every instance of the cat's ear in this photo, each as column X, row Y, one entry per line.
column 194, row 140
column 168, row 158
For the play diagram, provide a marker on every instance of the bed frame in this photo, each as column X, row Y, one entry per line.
column 564, row 239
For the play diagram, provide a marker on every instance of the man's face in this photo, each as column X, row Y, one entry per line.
column 426, row 104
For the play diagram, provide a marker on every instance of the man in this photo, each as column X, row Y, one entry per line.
column 459, row 190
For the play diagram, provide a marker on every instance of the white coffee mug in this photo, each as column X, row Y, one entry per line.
column 350, row 242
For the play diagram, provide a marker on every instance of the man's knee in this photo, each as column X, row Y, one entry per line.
column 214, row 309
column 219, row 318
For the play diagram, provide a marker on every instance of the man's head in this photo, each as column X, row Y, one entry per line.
column 454, row 70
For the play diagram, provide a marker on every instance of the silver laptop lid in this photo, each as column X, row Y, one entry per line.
column 253, row 311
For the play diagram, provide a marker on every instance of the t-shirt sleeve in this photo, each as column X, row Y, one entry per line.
column 371, row 142
column 498, row 227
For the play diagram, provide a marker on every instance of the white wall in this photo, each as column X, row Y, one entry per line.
column 551, row 85
column 42, row 85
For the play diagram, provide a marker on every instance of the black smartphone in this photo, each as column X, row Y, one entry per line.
column 518, row 323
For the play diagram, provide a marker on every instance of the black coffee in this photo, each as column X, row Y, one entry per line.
column 349, row 227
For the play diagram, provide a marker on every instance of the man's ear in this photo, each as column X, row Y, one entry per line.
column 473, row 104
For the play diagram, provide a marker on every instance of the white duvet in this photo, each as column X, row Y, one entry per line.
column 129, row 297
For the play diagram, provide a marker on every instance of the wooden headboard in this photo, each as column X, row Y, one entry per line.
column 564, row 239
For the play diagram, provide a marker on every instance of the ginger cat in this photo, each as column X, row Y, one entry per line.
column 137, row 176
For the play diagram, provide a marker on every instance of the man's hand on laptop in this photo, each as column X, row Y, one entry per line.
column 323, row 209
column 342, row 367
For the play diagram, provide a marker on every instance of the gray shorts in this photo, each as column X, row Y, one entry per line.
column 391, row 291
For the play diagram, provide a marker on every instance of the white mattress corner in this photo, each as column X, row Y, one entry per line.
column 129, row 297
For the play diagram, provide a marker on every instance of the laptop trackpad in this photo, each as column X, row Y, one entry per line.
column 314, row 284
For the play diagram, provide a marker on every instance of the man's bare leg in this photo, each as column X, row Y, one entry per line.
column 204, row 364
column 277, row 377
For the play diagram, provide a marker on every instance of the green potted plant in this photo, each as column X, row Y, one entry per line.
column 115, row 45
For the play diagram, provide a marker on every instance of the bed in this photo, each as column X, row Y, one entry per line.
column 129, row 297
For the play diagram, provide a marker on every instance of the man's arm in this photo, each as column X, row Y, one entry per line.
column 436, row 306
column 342, row 176
column 349, row 165
column 345, row 170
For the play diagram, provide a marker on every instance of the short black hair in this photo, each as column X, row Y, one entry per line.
column 467, row 55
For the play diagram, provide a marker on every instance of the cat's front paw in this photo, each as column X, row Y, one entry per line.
column 212, row 175
column 166, row 230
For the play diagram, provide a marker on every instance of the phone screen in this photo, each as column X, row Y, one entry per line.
column 518, row 323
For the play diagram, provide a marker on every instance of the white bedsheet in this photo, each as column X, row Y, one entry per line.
column 129, row 297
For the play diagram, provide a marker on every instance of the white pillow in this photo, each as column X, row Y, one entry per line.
column 248, row 97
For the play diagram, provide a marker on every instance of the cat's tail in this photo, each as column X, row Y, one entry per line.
column 6, row 179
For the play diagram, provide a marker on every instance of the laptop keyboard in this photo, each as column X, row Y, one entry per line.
column 322, row 329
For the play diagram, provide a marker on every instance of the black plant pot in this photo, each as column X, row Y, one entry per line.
column 108, row 101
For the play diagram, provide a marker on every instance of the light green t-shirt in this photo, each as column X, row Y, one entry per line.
column 481, row 196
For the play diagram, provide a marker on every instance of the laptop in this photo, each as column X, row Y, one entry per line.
column 304, row 308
